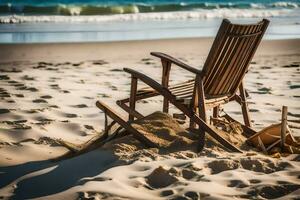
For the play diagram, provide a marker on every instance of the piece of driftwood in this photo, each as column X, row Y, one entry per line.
column 262, row 146
column 219, row 82
column 276, row 138
column 94, row 143
column 268, row 135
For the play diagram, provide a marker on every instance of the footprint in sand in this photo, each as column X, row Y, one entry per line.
column 18, row 85
column 55, row 86
column 13, row 70
column 100, row 179
column 4, row 77
column 294, row 86
column 12, row 82
column 77, row 64
column 100, row 62
column 27, row 78
column 166, row 193
column 52, row 69
column 3, row 111
column 65, row 91
column 276, row 191
column 160, row 178
column 19, row 124
column 10, row 101
column 46, row 97
column 218, row 166
column 39, row 101
column 80, row 106
column 194, row 195
column 291, row 66
column 104, row 95
column 19, row 95
column 147, row 61
column 237, row 184
column 89, row 127
column 4, row 93
column 70, row 115
column 254, row 181
column 44, row 121
column 53, row 106
column 116, row 70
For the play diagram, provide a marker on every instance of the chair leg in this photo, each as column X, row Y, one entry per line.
column 194, row 105
column 202, row 113
column 244, row 106
column 216, row 111
column 201, row 102
column 132, row 99
column 165, row 82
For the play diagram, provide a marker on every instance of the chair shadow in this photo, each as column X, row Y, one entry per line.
column 64, row 175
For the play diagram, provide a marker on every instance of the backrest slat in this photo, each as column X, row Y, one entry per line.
column 230, row 55
column 244, row 63
column 222, row 59
column 222, row 77
column 234, row 65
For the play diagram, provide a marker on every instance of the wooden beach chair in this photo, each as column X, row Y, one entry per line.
column 219, row 82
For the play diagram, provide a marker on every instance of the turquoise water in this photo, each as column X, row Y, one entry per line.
column 104, row 7
column 38, row 21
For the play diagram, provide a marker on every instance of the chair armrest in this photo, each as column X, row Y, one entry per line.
column 176, row 62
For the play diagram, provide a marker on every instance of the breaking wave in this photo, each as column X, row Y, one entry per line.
column 199, row 14
column 110, row 9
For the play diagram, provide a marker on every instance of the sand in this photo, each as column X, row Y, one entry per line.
column 48, row 92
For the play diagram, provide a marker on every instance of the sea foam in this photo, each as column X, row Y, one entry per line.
column 179, row 15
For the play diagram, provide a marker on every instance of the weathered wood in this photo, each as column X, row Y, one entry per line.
column 201, row 100
column 262, row 146
column 283, row 127
column 216, row 111
column 217, row 84
column 135, row 113
column 132, row 99
column 176, row 62
column 244, row 106
column 194, row 102
column 165, row 81
column 166, row 93
column 247, row 131
column 105, row 108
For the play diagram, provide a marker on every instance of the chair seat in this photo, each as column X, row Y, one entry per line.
column 183, row 93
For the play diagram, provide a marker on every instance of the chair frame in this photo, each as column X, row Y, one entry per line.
column 212, row 86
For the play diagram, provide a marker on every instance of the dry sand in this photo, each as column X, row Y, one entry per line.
column 48, row 92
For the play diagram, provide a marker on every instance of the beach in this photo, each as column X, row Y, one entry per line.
column 48, row 92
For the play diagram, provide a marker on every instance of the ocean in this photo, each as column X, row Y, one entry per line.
column 38, row 21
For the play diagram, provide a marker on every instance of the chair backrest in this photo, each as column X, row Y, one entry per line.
column 230, row 56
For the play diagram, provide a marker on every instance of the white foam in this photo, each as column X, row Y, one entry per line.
column 197, row 14
column 285, row 4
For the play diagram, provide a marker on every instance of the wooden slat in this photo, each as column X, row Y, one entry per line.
column 214, row 54
column 263, row 27
column 219, row 41
column 233, row 65
column 221, row 76
column 232, row 56
column 211, row 77
column 105, row 108
column 243, row 63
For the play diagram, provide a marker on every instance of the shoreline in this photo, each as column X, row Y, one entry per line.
column 82, row 51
